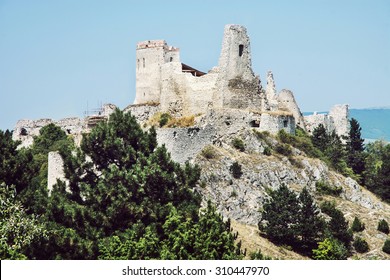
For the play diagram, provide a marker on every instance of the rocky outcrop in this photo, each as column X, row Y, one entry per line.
column 241, row 199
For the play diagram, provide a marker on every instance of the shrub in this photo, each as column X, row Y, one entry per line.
column 383, row 226
column 283, row 149
column 386, row 247
column 361, row 245
column 238, row 144
column 328, row 207
column 258, row 255
column 323, row 187
column 235, row 168
column 285, row 137
column 330, row 249
column 164, row 118
column 357, row 225
column 209, row 152
column 267, row 151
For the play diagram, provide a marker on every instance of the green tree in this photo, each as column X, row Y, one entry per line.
column 18, row 230
column 338, row 225
column 383, row 226
column 121, row 192
column 182, row 239
column 360, row 245
column 320, row 138
column 310, row 226
column 357, row 225
column 330, row 249
column 355, row 148
column 280, row 216
column 377, row 174
column 386, row 246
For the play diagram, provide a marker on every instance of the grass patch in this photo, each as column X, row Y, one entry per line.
column 238, row 144
column 324, row 188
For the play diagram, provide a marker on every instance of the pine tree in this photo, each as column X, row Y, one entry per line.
column 355, row 148
column 320, row 137
column 280, row 216
column 310, row 225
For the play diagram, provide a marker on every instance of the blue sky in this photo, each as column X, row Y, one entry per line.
column 58, row 58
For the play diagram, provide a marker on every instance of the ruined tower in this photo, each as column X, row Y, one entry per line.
column 150, row 56
column 238, row 87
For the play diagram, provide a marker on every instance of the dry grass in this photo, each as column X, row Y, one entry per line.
column 252, row 242
column 185, row 121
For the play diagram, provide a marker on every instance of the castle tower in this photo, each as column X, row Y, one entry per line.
column 237, row 86
column 150, row 56
column 235, row 58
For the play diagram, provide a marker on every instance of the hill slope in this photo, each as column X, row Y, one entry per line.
column 241, row 199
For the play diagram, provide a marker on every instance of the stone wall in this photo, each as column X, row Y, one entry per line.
column 142, row 112
column 55, row 170
column 185, row 143
column 274, row 122
column 337, row 120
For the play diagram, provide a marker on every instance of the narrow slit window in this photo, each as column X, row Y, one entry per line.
column 143, row 62
column 240, row 50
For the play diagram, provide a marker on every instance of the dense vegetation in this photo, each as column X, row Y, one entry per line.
column 124, row 199
column 288, row 218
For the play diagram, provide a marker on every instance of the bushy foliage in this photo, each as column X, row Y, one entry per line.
column 355, row 149
column 209, row 152
column 164, row 118
column 291, row 220
column 283, row 149
column 386, row 246
column 238, row 144
column 258, row 255
column 383, row 226
column 236, row 170
column 357, row 225
column 267, row 151
column 338, row 225
column 377, row 174
column 123, row 196
column 19, row 231
column 360, row 245
column 323, row 187
column 330, row 249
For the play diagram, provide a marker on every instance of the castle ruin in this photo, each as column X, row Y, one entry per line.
column 225, row 100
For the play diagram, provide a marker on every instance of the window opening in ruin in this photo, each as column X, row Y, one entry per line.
column 68, row 130
column 285, row 123
column 138, row 64
column 240, row 50
column 171, row 59
column 255, row 123
column 143, row 61
column 23, row 132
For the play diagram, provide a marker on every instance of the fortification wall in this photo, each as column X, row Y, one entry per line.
column 287, row 102
column 340, row 116
column 337, row 120
column 185, row 94
column 55, row 170
column 274, row 122
column 142, row 112
column 185, row 143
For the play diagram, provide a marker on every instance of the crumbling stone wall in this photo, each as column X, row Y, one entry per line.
column 185, row 143
column 337, row 120
column 55, row 170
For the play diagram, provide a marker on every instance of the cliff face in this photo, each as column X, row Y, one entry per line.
column 241, row 199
